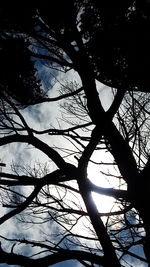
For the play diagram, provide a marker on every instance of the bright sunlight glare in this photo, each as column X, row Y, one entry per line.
column 96, row 173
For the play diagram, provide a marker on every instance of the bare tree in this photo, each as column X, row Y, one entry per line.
column 57, row 197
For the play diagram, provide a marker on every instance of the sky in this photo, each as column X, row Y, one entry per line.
column 40, row 117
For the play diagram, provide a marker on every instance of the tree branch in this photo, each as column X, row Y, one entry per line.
column 89, row 149
column 62, row 255
column 100, row 230
column 52, row 59
column 57, row 98
column 116, row 103
column 116, row 193
column 37, row 143
column 122, row 153
column 21, row 206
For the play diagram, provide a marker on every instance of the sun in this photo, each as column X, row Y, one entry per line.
column 104, row 203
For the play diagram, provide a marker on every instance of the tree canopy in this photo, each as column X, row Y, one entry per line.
column 88, row 125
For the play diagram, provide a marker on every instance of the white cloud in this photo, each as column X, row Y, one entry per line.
column 41, row 117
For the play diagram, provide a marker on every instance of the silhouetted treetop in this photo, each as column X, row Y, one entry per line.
column 115, row 38
column 60, row 15
column 118, row 42
column 17, row 77
column 17, row 18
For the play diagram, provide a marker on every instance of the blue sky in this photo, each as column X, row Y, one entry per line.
column 43, row 116
column 63, row 264
column 38, row 117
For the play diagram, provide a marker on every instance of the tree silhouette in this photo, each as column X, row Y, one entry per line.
column 101, row 44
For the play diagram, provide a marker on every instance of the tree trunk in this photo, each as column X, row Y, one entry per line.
column 139, row 194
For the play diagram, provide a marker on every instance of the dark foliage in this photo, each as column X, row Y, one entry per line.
column 116, row 39
column 18, row 75
column 118, row 42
